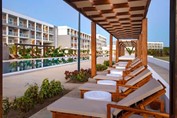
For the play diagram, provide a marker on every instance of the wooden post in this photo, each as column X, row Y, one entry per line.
column 93, row 49
column 140, row 46
column 144, row 41
column 117, row 50
column 110, row 51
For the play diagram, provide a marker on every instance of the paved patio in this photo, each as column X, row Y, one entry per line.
column 16, row 85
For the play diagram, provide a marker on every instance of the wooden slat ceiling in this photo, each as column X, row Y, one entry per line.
column 121, row 18
column 128, row 43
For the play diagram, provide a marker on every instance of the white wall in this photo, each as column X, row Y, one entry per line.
column 159, row 62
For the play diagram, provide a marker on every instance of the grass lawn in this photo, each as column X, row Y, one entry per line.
column 163, row 58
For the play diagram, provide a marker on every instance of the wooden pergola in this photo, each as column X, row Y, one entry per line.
column 123, row 19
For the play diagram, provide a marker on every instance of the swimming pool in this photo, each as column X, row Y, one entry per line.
column 12, row 66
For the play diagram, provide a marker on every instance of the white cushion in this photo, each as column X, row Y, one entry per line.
column 114, row 75
column 116, row 72
column 106, row 82
column 97, row 95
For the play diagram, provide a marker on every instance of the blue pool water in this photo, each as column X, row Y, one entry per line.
column 16, row 66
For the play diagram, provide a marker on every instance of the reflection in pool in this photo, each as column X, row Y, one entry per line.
column 16, row 66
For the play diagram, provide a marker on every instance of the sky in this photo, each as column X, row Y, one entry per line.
column 59, row 13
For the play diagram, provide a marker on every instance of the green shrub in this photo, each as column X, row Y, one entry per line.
column 50, row 89
column 32, row 92
column 100, row 67
column 45, row 89
column 106, row 63
column 70, row 60
column 6, row 106
column 24, row 104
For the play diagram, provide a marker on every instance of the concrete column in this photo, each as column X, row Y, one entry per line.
column 110, row 51
column 7, row 33
column 93, row 49
column 35, row 33
column 144, row 41
column 117, row 50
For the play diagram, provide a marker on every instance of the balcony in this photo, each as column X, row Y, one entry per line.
column 23, row 25
column 3, row 21
column 38, row 29
column 51, row 32
column 12, row 23
column 31, row 36
column 44, row 38
column 13, row 34
column 38, row 37
column 4, row 32
column 24, row 35
column 51, row 39
column 31, row 27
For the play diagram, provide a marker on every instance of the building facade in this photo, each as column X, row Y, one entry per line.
column 68, row 38
column 21, row 29
column 101, row 42
column 18, row 28
column 155, row 45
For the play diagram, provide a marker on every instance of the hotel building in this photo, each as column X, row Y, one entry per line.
column 21, row 29
column 68, row 38
column 101, row 42
column 155, row 45
column 18, row 28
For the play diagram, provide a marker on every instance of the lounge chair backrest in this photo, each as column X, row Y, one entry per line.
column 135, row 72
column 138, row 78
column 135, row 64
column 141, row 93
column 135, row 60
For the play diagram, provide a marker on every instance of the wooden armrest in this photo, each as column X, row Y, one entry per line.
column 134, row 110
column 130, row 75
column 128, row 86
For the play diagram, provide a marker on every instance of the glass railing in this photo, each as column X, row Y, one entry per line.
column 32, row 36
column 12, row 23
column 51, row 32
column 22, row 25
column 31, row 27
column 4, row 20
column 24, row 35
column 44, row 38
column 4, row 32
column 13, row 33
column 38, row 37
column 38, row 29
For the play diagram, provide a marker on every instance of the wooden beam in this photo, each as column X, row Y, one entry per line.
column 93, row 49
column 144, row 41
column 110, row 51
column 117, row 50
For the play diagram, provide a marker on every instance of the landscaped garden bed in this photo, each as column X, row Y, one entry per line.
column 34, row 99
column 78, row 76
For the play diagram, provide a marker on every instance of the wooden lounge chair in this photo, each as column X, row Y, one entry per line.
column 122, row 79
column 68, row 107
column 11, row 56
column 128, row 69
column 120, row 90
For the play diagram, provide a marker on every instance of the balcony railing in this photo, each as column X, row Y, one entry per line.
column 51, row 32
column 38, row 29
column 4, row 32
column 38, row 37
column 4, row 20
column 50, row 39
column 13, row 33
column 12, row 23
column 44, row 38
column 32, row 36
column 24, row 35
column 31, row 27
column 22, row 25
